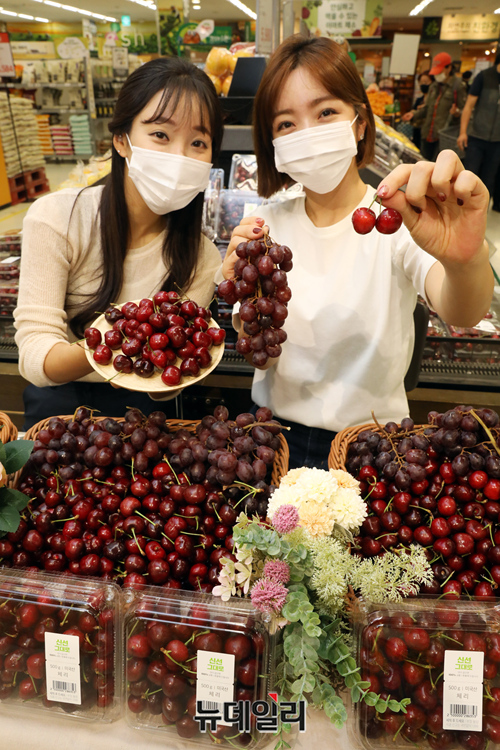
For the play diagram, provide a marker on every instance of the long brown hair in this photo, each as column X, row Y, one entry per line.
column 180, row 81
column 331, row 65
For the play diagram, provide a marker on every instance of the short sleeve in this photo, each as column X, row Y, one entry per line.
column 476, row 85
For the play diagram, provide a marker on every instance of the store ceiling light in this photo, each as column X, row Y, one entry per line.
column 145, row 3
column 248, row 10
column 42, row 20
column 25, row 15
column 7, row 12
column 418, row 8
column 80, row 11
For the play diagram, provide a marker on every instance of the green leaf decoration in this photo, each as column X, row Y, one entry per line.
column 14, row 498
column 371, row 699
column 3, row 455
column 9, row 518
column 16, row 454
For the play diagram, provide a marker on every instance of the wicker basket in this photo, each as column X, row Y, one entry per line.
column 341, row 442
column 280, row 466
column 8, row 431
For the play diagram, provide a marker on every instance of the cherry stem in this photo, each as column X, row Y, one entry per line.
column 137, row 542
column 67, row 614
column 172, row 470
column 486, row 429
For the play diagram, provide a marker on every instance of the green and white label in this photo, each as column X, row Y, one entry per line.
column 62, row 668
column 463, row 690
column 215, row 680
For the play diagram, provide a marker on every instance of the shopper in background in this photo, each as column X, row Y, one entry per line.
column 350, row 319
column 445, row 101
column 424, row 82
column 141, row 232
column 481, row 137
column 466, row 76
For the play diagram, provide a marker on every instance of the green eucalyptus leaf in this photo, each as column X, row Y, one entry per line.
column 371, row 699
column 16, row 454
column 14, row 498
column 3, row 455
column 9, row 517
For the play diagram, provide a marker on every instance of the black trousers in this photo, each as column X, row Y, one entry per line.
column 483, row 158
column 41, row 403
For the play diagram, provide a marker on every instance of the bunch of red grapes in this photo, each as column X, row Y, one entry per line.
column 438, row 486
column 25, row 617
column 155, row 334
column 260, row 284
column 137, row 502
column 161, row 668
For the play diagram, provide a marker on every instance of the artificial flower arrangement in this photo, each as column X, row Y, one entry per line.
column 299, row 568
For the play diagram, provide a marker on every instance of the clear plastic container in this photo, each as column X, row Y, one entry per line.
column 212, row 202
column 172, row 641
column 243, row 169
column 10, row 243
column 234, row 206
column 9, row 271
column 60, row 645
column 444, row 655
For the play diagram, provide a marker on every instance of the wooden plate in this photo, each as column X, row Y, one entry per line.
column 154, row 384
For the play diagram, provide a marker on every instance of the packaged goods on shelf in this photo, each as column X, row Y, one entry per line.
column 200, row 633
column 234, row 206
column 80, row 132
column 83, row 175
column 442, row 656
column 243, row 171
column 7, row 331
column 18, row 129
column 61, row 139
column 212, row 203
column 44, row 135
column 10, row 243
column 72, row 667
column 392, row 148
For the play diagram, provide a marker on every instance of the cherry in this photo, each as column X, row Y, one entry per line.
column 103, row 354
column 396, row 649
column 417, row 639
column 388, row 221
column 363, row 220
column 93, row 337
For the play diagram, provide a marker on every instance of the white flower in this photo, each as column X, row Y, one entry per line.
column 3, row 475
column 345, row 479
column 348, row 508
column 244, row 568
column 227, row 580
column 316, row 518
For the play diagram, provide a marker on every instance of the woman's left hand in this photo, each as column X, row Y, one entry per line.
column 444, row 206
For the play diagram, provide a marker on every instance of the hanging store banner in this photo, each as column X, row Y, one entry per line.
column 461, row 27
column 343, row 18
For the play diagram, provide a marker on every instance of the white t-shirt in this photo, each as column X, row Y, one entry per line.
column 350, row 321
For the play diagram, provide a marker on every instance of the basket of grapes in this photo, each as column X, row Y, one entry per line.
column 8, row 431
column 143, row 500
column 434, row 485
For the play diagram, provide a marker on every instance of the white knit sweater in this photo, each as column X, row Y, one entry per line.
column 62, row 258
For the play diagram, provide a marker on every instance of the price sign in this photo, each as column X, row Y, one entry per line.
column 7, row 69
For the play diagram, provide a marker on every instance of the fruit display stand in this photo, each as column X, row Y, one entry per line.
column 8, row 431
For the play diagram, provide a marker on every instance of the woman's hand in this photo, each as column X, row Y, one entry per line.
column 444, row 207
column 251, row 228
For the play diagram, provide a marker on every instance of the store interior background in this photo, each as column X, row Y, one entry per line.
column 60, row 21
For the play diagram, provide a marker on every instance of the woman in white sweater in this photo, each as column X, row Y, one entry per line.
column 350, row 319
column 139, row 233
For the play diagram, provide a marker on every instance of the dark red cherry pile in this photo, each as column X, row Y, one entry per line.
column 387, row 222
column 25, row 617
column 139, row 502
column 260, row 284
column 437, row 486
column 402, row 656
column 166, row 334
column 161, row 667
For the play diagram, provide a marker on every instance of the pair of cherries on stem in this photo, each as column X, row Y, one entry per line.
column 387, row 222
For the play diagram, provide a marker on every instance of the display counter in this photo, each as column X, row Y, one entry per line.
column 47, row 733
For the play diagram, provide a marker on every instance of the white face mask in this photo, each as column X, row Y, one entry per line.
column 166, row 182
column 318, row 157
column 440, row 77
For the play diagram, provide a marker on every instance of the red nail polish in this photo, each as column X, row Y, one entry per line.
column 442, row 197
column 460, row 202
column 382, row 190
column 257, row 230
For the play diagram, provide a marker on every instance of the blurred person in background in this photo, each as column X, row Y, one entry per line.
column 424, row 82
column 445, row 102
column 466, row 78
column 480, row 135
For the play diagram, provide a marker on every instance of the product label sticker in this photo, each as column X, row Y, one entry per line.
column 62, row 668
column 215, row 680
column 463, row 690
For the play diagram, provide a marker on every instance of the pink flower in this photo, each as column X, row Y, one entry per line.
column 268, row 596
column 277, row 570
column 286, row 519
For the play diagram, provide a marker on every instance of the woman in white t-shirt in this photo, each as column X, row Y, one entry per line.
column 350, row 322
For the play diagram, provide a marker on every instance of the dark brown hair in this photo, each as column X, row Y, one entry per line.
column 180, row 81
column 331, row 65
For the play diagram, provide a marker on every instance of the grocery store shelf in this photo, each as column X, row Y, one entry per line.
column 31, row 86
column 105, row 99
column 67, row 157
column 237, row 138
column 56, row 110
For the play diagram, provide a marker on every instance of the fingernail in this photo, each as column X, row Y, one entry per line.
column 382, row 190
column 417, row 209
column 257, row 230
column 460, row 202
column 441, row 196
column 260, row 221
